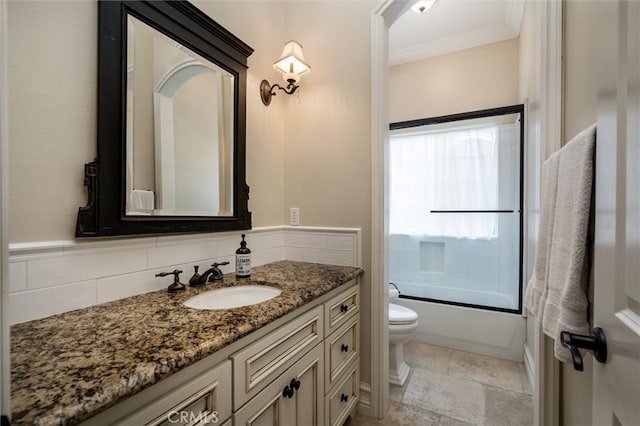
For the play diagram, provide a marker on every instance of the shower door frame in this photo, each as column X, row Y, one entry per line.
column 490, row 112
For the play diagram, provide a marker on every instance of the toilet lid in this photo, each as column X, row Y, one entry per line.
column 401, row 315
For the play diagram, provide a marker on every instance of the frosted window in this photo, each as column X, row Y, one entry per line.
column 444, row 170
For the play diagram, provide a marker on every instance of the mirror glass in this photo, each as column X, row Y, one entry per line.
column 179, row 128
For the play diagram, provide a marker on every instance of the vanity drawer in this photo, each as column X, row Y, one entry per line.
column 341, row 308
column 257, row 365
column 341, row 401
column 341, row 349
column 204, row 400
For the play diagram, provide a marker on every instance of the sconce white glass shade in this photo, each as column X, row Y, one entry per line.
column 291, row 63
column 423, row 5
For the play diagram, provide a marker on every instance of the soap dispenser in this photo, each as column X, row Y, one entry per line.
column 243, row 260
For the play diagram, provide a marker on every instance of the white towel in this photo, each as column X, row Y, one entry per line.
column 537, row 286
column 141, row 202
column 559, row 292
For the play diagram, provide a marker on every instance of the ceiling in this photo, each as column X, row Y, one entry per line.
column 452, row 25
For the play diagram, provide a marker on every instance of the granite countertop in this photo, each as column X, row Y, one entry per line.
column 68, row 367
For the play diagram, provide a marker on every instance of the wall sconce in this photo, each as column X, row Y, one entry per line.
column 291, row 64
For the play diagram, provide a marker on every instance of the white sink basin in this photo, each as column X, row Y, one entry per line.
column 232, row 297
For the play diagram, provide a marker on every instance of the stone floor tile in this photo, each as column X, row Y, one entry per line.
column 450, row 396
column 400, row 415
column 396, row 392
column 484, row 369
column 506, row 408
column 448, row 421
column 427, row 357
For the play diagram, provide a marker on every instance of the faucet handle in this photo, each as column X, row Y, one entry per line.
column 176, row 285
column 216, row 274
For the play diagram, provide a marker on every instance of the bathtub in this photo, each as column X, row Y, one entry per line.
column 480, row 331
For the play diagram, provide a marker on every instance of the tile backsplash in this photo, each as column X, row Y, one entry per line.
column 49, row 278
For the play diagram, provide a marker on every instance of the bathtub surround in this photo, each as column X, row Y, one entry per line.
column 55, row 277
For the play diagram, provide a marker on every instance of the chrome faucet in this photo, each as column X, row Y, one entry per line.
column 213, row 274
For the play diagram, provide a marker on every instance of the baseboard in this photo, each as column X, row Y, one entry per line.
column 529, row 366
column 364, row 404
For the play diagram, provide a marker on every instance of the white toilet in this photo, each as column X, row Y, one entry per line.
column 402, row 325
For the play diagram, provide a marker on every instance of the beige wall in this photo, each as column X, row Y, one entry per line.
column 580, row 84
column 52, row 115
column 472, row 79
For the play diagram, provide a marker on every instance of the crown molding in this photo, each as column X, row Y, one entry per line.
column 510, row 29
column 453, row 44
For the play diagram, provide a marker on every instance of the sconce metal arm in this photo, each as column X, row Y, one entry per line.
column 289, row 90
column 267, row 91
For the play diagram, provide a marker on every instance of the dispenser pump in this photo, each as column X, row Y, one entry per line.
column 243, row 260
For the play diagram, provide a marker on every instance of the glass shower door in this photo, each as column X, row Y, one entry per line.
column 455, row 210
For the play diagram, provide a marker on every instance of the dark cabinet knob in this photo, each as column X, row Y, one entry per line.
column 344, row 308
column 344, row 348
column 595, row 343
column 344, row 397
column 287, row 392
column 295, row 384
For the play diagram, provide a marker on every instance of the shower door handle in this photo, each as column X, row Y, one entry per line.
column 595, row 343
column 471, row 211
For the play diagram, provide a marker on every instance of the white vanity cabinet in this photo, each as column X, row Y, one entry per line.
column 302, row 369
column 325, row 379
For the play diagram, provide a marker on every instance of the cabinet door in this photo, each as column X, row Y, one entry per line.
column 272, row 406
column 257, row 365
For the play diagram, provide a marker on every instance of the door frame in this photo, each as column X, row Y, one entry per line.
column 546, row 129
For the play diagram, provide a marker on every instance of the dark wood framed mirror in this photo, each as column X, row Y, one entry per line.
column 171, row 124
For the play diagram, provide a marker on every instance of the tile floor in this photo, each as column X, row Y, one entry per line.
column 448, row 387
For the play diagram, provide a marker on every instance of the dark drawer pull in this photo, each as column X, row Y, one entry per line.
column 344, row 308
column 288, row 391
column 344, row 398
column 344, row 348
column 295, row 384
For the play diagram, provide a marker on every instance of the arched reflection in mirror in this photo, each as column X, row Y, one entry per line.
column 179, row 129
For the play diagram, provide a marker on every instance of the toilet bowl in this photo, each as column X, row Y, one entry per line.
column 402, row 326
